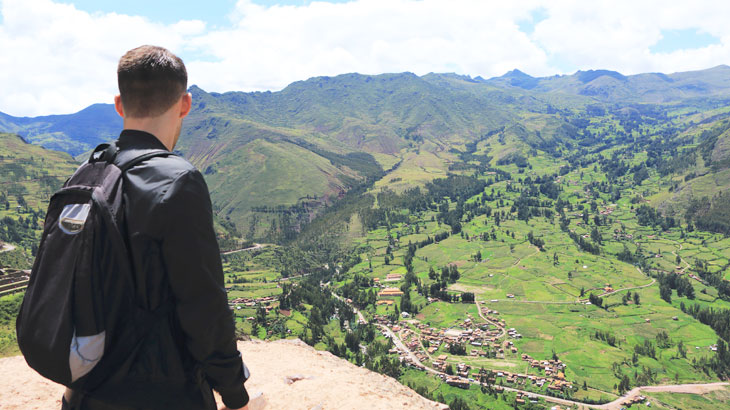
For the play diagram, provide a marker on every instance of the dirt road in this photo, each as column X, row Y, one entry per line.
column 479, row 309
column 252, row 248
column 356, row 310
column 677, row 388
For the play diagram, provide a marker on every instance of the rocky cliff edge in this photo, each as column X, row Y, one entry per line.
column 286, row 374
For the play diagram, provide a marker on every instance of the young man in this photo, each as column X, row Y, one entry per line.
column 175, row 256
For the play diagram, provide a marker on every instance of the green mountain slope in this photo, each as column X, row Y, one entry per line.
column 72, row 133
column 300, row 148
column 318, row 138
column 395, row 118
column 700, row 185
column 29, row 175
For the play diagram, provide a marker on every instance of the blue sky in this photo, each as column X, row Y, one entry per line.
column 537, row 15
column 216, row 14
column 685, row 39
column 213, row 12
column 63, row 53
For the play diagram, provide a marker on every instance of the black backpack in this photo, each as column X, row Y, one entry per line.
column 79, row 319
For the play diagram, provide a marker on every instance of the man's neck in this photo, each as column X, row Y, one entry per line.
column 160, row 129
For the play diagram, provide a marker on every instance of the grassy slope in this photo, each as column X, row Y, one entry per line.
column 516, row 267
column 72, row 133
column 40, row 171
column 394, row 117
column 709, row 181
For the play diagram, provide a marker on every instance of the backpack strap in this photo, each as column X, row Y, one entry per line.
column 126, row 165
column 140, row 321
column 110, row 152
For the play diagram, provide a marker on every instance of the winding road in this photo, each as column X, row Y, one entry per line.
column 653, row 281
column 479, row 310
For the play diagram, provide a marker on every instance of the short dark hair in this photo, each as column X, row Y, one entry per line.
column 151, row 79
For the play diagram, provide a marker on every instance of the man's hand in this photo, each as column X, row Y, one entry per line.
column 256, row 402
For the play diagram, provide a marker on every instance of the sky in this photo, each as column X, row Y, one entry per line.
column 59, row 56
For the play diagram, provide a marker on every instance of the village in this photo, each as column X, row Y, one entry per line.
column 490, row 339
column 487, row 340
column 268, row 303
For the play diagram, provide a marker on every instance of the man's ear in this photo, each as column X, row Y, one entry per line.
column 187, row 103
column 118, row 105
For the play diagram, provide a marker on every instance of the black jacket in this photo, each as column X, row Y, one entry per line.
column 176, row 259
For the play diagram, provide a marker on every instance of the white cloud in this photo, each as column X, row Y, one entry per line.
column 271, row 47
column 58, row 59
column 617, row 35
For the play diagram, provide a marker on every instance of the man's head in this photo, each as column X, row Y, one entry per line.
column 151, row 79
column 152, row 92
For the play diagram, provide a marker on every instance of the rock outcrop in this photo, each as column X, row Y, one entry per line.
column 288, row 374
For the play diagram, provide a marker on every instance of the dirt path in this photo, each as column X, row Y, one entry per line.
column 540, row 302
column 537, row 250
column 653, row 281
column 676, row 388
column 681, row 259
column 479, row 309
column 6, row 247
column 401, row 346
column 252, row 248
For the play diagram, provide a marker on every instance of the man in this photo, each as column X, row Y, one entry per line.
column 175, row 256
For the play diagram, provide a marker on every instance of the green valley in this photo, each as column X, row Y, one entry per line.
column 515, row 242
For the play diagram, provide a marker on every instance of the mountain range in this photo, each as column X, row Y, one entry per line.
column 275, row 159
column 611, row 86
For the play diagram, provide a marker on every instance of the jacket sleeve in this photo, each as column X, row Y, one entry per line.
column 192, row 260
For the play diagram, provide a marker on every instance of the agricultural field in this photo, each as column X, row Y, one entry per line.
column 539, row 277
column 251, row 283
